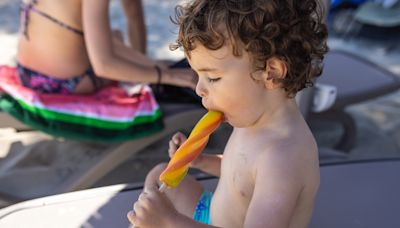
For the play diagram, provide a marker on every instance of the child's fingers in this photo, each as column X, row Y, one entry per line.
column 172, row 145
column 131, row 217
column 137, row 209
column 172, row 148
column 178, row 138
column 143, row 197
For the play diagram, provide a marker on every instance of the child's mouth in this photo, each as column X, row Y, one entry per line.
column 224, row 119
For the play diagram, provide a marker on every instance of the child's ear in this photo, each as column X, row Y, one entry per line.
column 274, row 69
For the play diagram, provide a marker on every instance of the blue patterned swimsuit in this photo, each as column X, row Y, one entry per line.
column 202, row 211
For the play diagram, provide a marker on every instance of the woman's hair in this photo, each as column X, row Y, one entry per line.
column 291, row 30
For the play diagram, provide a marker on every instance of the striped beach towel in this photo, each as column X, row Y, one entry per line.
column 109, row 115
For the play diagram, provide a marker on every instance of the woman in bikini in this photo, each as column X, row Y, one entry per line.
column 67, row 47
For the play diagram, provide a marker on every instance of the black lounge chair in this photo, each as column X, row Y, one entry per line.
column 356, row 80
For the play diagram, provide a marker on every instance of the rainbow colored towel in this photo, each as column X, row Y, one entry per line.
column 109, row 115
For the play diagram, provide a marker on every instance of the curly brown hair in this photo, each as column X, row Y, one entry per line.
column 291, row 30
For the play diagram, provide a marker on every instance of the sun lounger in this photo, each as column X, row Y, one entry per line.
column 176, row 116
column 6, row 121
column 356, row 80
column 352, row 194
column 358, row 194
column 379, row 14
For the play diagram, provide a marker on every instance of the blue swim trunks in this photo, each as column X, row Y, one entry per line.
column 202, row 212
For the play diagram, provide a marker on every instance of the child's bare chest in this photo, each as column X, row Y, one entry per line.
column 236, row 173
column 234, row 190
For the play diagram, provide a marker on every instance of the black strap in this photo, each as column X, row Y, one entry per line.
column 93, row 78
column 26, row 8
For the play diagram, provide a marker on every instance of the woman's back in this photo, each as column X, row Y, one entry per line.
column 54, row 46
column 54, row 51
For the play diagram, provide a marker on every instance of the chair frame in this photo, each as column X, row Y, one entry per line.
column 176, row 116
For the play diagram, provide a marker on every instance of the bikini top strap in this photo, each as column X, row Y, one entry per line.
column 27, row 7
column 24, row 9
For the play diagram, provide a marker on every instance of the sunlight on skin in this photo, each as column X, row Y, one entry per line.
column 160, row 34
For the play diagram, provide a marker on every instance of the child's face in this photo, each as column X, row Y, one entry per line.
column 225, row 84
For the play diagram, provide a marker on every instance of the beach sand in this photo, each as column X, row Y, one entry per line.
column 32, row 164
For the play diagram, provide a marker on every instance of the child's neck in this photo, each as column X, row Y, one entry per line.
column 279, row 113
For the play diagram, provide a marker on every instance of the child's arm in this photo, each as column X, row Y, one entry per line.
column 278, row 184
column 208, row 163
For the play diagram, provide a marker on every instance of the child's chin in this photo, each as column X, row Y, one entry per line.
column 231, row 122
column 236, row 124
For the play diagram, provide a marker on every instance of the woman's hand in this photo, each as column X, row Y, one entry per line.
column 152, row 204
column 176, row 141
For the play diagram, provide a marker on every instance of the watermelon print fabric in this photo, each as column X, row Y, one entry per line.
column 109, row 115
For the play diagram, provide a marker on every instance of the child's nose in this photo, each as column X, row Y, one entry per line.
column 200, row 89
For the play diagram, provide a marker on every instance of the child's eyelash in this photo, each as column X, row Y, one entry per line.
column 213, row 79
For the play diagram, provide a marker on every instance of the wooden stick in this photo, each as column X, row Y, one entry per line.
column 163, row 187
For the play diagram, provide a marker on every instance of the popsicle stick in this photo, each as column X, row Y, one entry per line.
column 163, row 187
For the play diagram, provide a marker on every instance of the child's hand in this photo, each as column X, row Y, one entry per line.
column 176, row 141
column 152, row 204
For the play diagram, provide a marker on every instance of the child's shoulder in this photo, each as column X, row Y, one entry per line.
column 289, row 156
column 286, row 177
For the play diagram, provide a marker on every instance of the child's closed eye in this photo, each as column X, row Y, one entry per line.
column 213, row 79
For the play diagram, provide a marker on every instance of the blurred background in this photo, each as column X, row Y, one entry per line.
column 366, row 31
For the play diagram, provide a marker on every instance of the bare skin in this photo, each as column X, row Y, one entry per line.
column 136, row 28
column 60, row 53
column 269, row 170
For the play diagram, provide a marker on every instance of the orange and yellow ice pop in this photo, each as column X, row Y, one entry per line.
column 178, row 166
